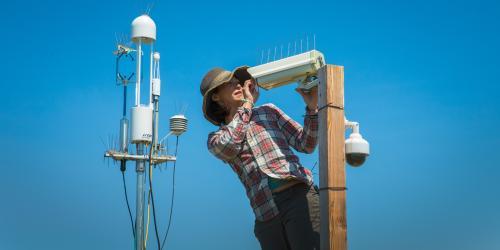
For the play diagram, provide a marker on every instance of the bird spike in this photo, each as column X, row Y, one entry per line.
column 314, row 41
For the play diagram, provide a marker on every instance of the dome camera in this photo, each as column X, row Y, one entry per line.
column 356, row 148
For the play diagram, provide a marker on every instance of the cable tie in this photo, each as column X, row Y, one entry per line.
column 333, row 188
column 331, row 105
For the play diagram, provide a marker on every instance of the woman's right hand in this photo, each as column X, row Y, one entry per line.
column 250, row 91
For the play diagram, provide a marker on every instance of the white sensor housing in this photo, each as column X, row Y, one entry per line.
column 155, row 81
column 144, row 29
column 178, row 124
column 142, row 124
column 156, row 86
column 296, row 68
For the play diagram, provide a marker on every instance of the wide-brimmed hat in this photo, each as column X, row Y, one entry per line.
column 213, row 79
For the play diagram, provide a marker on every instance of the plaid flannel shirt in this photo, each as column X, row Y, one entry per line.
column 256, row 144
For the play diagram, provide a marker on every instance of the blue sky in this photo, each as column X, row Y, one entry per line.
column 421, row 78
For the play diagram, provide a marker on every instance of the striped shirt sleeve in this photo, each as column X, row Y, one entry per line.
column 226, row 142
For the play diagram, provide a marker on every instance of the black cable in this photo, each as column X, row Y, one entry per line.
column 124, row 112
column 128, row 206
column 331, row 105
column 152, row 197
column 173, row 192
column 312, row 169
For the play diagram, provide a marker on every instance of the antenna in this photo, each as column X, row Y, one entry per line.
column 149, row 8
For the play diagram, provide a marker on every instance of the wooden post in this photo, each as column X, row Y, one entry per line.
column 332, row 158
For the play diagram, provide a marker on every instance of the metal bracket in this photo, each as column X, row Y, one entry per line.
column 118, row 156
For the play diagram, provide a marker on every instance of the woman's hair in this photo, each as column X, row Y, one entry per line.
column 219, row 112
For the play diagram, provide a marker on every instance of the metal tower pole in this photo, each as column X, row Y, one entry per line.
column 139, row 216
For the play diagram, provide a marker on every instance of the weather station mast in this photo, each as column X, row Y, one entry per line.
column 144, row 123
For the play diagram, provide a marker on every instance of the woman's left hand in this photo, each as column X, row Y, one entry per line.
column 310, row 97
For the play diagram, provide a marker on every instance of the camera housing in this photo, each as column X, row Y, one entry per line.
column 301, row 68
column 356, row 148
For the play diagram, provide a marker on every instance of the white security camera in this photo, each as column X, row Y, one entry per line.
column 356, row 148
column 302, row 68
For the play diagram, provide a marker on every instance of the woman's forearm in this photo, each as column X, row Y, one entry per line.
column 226, row 143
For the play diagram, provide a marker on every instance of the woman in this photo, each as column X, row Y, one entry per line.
column 255, row 142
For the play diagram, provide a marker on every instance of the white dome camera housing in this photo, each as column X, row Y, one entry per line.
column 356, row 149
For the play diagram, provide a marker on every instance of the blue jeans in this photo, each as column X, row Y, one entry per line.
column 297, row 225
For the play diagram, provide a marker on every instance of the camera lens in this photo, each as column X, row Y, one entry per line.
column 356, row 159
